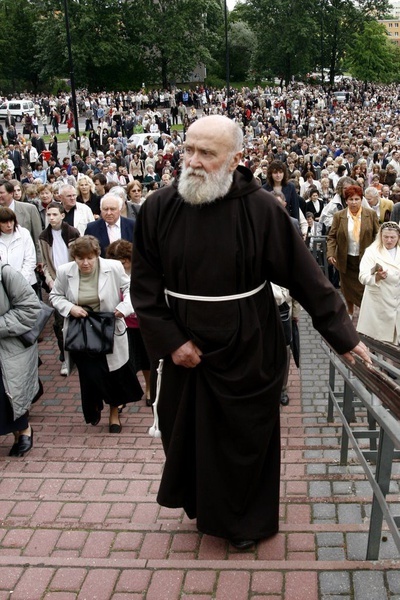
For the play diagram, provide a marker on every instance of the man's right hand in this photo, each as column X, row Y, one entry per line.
column 187, row 355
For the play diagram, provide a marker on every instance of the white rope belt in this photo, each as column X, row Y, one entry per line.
column 154, row 429
column 214, row 298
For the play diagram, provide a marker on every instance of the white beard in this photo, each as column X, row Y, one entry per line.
column 198, row 187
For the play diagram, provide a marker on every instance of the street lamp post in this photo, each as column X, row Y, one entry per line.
column 72, row 76
column 228, row 92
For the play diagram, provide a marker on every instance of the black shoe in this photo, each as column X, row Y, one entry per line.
column 243, row 544
column 115, row 428
column 25, row 443
column 284, row 399
column 149, row 401
column 14, row 450
column 121, row 408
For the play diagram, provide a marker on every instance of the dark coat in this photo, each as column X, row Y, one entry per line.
column 220, row 421
column 99, row 230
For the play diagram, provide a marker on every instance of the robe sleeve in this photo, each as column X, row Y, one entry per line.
column 292, row 265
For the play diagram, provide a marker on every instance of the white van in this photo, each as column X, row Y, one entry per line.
column 17, row 108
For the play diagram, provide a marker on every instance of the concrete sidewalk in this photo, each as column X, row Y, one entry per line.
column 79, row 520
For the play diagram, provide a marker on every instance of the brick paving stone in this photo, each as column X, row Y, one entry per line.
column 298, row 514
column 6, row 508
column 202, row 582
column 131, row 581
column 128, row 541
column 196, row 597
column 68, row 579
column 24, row 509
column 98, row 544
column 42, row 543
column 50, row 487
column 166, row 585
column 301, row 585
column 145, row 513
column 116, row 487
column 71, row 540
column 73, row 486
column 393, row 578
column 185, row 542
column 272, row 549
column 46, row 513
column 95, row 512
column 212, row 548
column 233, row 585
column 72, row 510
column 60, row 596
column 301, row 556
column 94, row 488
column 300, row 542
column 270, row 582
column 33, row 583
column 121, row 511
column 369, row 585
column 331, row 554
column 9, row 576
column 17, row 538
column 155, row 545
column 98, row 585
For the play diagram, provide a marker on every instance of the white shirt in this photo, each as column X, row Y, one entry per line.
column 114, row 231
column 60, row 249
column 353, row 247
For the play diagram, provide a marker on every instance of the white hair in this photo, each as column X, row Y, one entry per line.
column 112, row 196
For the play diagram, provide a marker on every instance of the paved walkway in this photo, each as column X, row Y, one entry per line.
column 79, row 520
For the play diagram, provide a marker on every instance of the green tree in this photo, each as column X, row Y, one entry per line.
column 372, row 57
column 339, row 21
column 102, row 54
column 241, row 45
column 173, row 36
column 17, row 63
column 285, row 33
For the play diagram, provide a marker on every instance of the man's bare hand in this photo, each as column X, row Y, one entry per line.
column 187, row 355
column 362, row 351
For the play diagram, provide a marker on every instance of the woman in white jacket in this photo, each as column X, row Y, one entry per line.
column 16, row 246
column 97, row 283
column 380, row 274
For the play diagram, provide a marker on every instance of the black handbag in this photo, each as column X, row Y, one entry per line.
column 93, row 334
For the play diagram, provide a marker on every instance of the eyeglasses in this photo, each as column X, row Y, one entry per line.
column 390, row 225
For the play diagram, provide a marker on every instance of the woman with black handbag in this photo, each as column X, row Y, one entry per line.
column 87, row 293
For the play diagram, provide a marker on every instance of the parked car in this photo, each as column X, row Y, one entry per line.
column 142, row 139
column 17, row 108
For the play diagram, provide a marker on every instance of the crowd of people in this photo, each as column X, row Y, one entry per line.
column 202, row 218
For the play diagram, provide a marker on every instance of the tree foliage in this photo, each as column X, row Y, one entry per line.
column 120, row 44
column 372, row 57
